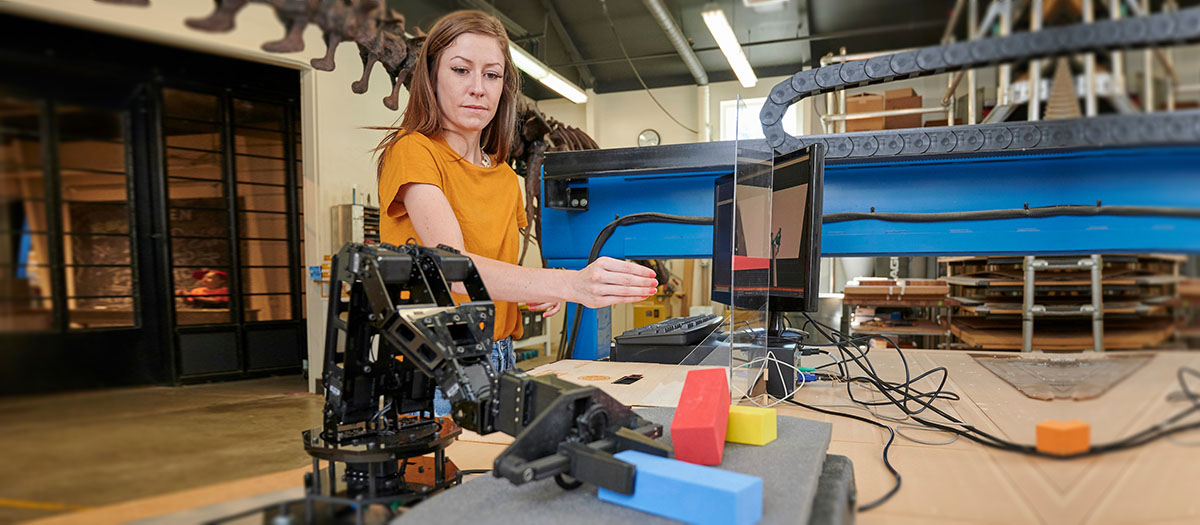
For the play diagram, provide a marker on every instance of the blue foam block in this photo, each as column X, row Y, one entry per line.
column 688, row 492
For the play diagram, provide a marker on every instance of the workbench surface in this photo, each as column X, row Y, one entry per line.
column 958, row 482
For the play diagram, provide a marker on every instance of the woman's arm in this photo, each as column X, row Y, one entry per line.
column 605, row 282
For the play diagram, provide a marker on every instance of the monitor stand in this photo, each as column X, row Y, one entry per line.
column 776, row 325
column 781, row 344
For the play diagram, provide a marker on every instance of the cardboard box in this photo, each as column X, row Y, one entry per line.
column 899, row 93
column 904, row 98
column 864, row 103
column 534, row 323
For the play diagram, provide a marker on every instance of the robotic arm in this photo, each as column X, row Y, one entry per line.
column 394, row 332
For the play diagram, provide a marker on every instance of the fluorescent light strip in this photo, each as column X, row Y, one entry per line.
column 564, row 88
column 525, row 62
column 536, row 69
column 718, row 25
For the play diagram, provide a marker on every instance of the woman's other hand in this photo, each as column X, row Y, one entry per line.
column 608, row 281
column 547, row 309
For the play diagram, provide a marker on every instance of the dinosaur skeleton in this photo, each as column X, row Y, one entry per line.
column 379, row 33
column 376, row 30
column 537, row 135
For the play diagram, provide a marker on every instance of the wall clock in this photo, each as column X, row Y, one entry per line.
column 648, row 138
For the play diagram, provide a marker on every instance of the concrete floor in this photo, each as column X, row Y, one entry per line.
column 86, row 449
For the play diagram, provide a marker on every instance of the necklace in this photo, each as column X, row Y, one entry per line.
column 487, row 161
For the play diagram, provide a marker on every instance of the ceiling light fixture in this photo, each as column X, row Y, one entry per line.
column 718, row 25
column 536, row 69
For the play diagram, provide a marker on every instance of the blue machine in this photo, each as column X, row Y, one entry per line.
column 584, row 191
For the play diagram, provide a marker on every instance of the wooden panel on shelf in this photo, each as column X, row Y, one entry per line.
column 1190, row 331
column 897, row 288
column 905, row 327
column 1060, row 279
column 1000, row 259
column 1005, row 334
column 1008, row 271
column 891, row 300
column 1189, row 288
column 1124, row 307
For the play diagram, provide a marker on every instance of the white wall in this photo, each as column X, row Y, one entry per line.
column 565, row 111
column 336, row 149
column 618, row 118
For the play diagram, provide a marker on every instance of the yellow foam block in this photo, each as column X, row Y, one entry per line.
column 751, row 425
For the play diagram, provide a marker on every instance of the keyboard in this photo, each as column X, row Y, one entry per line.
column 676, row 332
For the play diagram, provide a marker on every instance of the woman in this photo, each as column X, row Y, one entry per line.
column 443, row 179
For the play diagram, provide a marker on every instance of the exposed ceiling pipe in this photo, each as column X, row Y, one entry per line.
column 514, row 29
column 659, row 12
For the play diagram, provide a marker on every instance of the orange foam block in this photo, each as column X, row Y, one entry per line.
column 698, row 429
column 1063, row 438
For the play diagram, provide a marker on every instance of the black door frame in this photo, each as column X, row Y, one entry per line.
column 245, row 334
column 71, row 359
column 82, row 67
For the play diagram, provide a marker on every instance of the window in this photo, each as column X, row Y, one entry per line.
column 748, row 126
column 97, row 247
column 86, row 224
column 25, row 294
column 222, row 225
column 149, row 213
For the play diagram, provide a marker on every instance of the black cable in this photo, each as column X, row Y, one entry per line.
column 909, row 394
column 470, row 471
column 886, row 387
column 886, row 447
column 568, row 351
column 1073, row 210
column 620, row 44
column 562, row 343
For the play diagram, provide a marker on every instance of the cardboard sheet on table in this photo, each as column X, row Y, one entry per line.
column 659, row 386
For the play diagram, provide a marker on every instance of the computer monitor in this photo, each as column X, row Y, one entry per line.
column 787, row 282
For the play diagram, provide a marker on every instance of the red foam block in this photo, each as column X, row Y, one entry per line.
column 698, row 430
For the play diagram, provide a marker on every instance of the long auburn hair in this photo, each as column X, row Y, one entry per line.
column 422, row 114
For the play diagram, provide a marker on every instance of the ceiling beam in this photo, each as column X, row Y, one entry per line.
column 806, row 38
column 514, row 29
column 585, row 74
column 518, row 33
column 678, row 41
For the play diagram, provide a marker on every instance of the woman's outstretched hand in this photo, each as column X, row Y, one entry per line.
column 547, row 309
column 608, row 281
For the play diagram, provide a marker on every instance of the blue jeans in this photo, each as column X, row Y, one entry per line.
column 502, row 357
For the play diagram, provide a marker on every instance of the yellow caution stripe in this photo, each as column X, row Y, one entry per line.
column 38, row 505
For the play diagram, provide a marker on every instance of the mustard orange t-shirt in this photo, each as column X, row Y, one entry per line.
column 486, row 201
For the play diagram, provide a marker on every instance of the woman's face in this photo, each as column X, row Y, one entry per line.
column 470, row 78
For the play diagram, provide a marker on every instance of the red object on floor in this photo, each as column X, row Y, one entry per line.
column 698, row 430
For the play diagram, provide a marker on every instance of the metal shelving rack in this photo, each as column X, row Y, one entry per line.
column 1030, row 310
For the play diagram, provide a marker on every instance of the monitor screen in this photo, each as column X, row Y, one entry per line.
column 785, row 264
